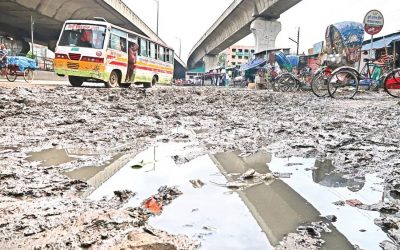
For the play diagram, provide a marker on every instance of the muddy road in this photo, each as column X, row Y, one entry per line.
column 48, row 131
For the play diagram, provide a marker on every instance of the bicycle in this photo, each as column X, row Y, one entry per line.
column 345, row 81
column 290, row 82
column 391, row 83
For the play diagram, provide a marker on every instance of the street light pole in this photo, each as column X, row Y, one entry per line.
column 158, row 12
column 297, row 42
column 180, row 46
column 32, row 23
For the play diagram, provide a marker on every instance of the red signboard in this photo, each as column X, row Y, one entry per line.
column 373, row 22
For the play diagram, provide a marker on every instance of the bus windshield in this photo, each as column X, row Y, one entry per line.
column 83, row 35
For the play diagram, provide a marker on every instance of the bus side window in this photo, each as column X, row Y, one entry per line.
column 157, row 51
column 123, row 46
column 115, row 42
column 143, row 47
column 171, row 56
column 161, row 53
column 152, row 50
column 167, row 55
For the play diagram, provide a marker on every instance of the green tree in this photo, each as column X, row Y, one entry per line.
column 30, row 55
column 222, row 59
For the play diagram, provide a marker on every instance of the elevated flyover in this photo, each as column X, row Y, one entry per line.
column 240, row 19
column 49, row 16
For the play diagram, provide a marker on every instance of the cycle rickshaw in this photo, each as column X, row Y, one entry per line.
column 293, row 78
column 343, row 46
column 20, row 66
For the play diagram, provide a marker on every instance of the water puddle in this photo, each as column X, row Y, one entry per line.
column 316, row 182
column 50, row 157
column 256, row 217
column 210, row 213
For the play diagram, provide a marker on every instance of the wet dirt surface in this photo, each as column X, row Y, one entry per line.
column 42, row 207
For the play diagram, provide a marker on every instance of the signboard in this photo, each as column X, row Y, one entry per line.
column 373, row 22
column 318, row 47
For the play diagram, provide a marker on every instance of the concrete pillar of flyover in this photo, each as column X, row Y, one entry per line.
column 265, row 33
column 210, row 62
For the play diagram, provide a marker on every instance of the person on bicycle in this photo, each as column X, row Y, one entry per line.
column 3, row 59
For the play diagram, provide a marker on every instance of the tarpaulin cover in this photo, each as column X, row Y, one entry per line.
column 283, row 61
column 345, row 38
column 294, row 60
column 253, row 63
column 382, row 43
column 346, row 34
column 22, row 62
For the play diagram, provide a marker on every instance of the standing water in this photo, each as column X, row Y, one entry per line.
column 210, row 213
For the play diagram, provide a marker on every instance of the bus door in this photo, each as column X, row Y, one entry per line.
column 133, row 48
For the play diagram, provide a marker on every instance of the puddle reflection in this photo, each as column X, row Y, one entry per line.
column 328, row 187
column 325, row 175
column 207, row 212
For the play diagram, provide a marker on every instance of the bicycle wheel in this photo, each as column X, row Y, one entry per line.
column 28, row 75
column 392, row 83
column 319, row 84
column 287, row 82
column 343, row 84
column 11, row 75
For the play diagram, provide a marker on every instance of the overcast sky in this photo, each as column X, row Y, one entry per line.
column 188, row 20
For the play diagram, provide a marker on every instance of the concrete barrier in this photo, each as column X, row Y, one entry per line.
column 48, row 76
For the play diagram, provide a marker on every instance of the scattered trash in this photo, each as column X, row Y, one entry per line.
column 354, row 202
column 294, row 164
column 248, row 174
column 207, row 228
column 339, row 203
column 153, row 206
column 124, row 195
column 331, row 218
column 197, row 183
column 281, row 175
column 139, row 165
column 315, row 229
column 236, row 184
column 136, row 166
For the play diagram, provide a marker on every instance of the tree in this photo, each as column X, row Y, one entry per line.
column 31, row 55
column 222, row 59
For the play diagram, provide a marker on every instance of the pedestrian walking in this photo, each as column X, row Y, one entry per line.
column 3, row 59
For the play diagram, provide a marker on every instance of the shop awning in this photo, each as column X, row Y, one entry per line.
column 382, row 43
column 253, row 63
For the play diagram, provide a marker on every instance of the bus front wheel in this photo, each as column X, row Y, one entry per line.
column 113, row 81
column 75, row 81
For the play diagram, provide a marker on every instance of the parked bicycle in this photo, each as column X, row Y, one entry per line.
column 291, row 82
column 391, row 83
column 372, row 76
column 319, row 82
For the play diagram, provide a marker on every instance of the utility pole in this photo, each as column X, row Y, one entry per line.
column 32, row 23
column 180, row 46
column 158, row 12
column 297, row 42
